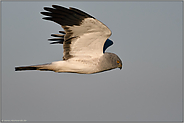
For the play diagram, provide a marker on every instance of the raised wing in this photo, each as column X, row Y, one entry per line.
column 60, row 39
column 85, row 35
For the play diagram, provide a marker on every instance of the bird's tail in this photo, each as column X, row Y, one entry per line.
column 42, row 67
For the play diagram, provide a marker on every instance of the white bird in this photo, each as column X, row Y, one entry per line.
column 84, row 40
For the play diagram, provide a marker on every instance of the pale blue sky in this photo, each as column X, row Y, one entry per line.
column 147, row 37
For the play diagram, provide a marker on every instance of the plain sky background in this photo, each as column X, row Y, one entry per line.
column 147, row 37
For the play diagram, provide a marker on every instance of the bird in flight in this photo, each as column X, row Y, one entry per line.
column 84, row 40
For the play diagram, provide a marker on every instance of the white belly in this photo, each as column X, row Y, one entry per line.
column 75, row 66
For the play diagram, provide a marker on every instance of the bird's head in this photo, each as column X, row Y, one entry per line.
column 119, row 63
column 113, row 61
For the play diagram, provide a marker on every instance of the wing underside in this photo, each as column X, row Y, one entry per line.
column 85, row 35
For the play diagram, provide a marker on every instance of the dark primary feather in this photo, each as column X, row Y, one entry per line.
column 59, row 39
column 64, row 16
column 62, row 32
column 68, row 18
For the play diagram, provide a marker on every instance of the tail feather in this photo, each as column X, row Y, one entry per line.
column 25, row 68
column 43, row 67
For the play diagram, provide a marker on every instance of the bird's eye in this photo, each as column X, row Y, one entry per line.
column 118, row 61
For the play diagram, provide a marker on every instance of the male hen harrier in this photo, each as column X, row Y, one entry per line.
column 84, row 42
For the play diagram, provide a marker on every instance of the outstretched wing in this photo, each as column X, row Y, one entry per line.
column 85, row 35
column 60, row 39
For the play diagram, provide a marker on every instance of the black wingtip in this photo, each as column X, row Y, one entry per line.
column 48, row 8
column 64, row 16
column 57, row 35
column 47, row 18
column 57, row 6
column 63, row 32
column 44, row 13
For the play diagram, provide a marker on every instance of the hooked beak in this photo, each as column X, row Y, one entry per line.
column 120, row 66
